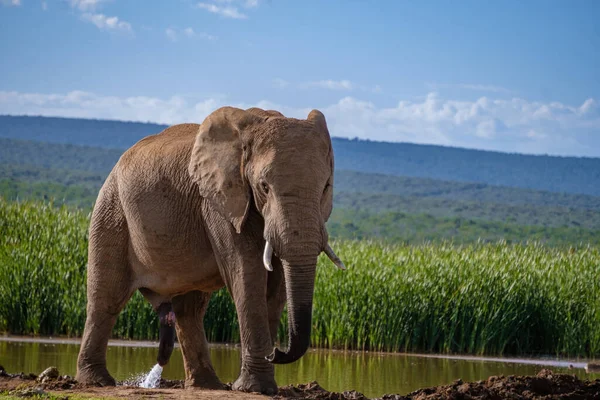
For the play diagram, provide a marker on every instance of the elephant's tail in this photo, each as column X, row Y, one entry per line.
column 166, row 343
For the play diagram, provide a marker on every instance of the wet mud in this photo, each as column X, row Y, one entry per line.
column 544, row 385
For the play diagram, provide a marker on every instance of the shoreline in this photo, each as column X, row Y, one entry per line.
column 542, row 361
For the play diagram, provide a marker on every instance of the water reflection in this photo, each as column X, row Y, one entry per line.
column 371, row 374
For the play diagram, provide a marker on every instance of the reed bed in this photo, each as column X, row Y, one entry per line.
column 435, row 297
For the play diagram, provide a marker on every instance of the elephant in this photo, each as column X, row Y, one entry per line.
column 239, row 201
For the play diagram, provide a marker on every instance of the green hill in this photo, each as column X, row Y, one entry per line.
column 547, row 173
column 419, row 228
column 555, row 174
column 523, row 214
column 83, row 132
column 58, row 156
column 357, row 182
column 403, row 222
column 367, row 205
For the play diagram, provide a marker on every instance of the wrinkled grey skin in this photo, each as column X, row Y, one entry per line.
column 187, row 211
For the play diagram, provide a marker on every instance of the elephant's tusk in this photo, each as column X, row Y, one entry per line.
column 267, row 256
column 333, row 257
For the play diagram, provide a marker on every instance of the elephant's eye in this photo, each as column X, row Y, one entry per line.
column 264, row 186
column 326, row 187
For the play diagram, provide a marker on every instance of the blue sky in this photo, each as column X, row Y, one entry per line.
column 517, row 76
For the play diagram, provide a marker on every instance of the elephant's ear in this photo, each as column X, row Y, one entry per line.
column 318, row 119
column 216, row 163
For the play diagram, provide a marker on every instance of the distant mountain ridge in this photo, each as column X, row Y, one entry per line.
column 79, row 131
column 366, row 205
column 556, row 174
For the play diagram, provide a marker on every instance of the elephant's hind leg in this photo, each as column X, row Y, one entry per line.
column 108, row 292
column 108, row 289
column 189, row 312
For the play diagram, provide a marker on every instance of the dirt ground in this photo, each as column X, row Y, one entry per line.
column 545, row 385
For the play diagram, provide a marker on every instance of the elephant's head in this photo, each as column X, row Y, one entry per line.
column 284, row 168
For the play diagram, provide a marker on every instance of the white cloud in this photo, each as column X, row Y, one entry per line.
column 514, row 125
column 469, row 86
column 280, row 83
column 588, row 106
column 206, row 36
column 535, row 135
column 85, row 5
column 171, row 34
column 189, row 32
column 81, row 104
column 104, row 22
column 10, row 3
column 227, row 11
column 331, row 84
column 87, row 12
column 489, row 128
column 244, row 3
column 340, row 85
column 174, row 33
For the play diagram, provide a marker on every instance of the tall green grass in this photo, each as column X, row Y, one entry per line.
column 478, row 299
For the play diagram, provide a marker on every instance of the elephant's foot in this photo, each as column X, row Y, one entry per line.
column 206, row 381
column 94, row 376
column 262, row 383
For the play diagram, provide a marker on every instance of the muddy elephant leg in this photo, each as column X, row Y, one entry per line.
column 189, row 312
column 109, row 286
column 240, row 260
column 108, row 292
column 257, row 374
column 275, row 297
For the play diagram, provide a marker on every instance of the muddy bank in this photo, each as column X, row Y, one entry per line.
column 545, row 385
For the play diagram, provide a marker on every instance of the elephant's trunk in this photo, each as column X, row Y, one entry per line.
column 297, row 239
column 299, row 282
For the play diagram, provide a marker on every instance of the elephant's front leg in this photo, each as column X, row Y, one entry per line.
column 249, row 294
column 240, row 259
